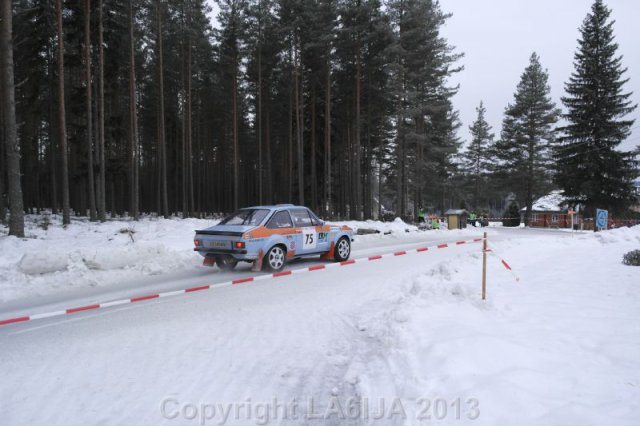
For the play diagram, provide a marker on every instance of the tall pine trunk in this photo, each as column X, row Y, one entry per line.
column 102, row 215
column 314, row 177
column 327, row 139
column 62, row 125
column 299, row 134
column 133, row 123
column 260, row 171
column 190, row 191
column 89, row 130
column 12, row 148
column 3, row 206
column 236, row 153
column 357, row 184
column 161, row 123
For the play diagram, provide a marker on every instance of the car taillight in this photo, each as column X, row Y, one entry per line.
column 196, row 242
column 239, row 244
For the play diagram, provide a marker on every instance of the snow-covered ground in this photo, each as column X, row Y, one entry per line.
column 52, row 260
column 407, row 339
column 87, row 254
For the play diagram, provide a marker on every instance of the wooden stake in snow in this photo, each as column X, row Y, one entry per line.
column 484, row 267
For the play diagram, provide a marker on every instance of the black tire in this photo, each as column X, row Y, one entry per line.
column 226, row 262
column 275, row 259
column 342, row 249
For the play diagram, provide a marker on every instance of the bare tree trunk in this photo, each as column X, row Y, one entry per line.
column 183, row 133
column 314, row 177
column 161, row 123
column 235, row 135
column 62, row 126
column 268, row 155
column 12, row 146
column 191, row 203
column 101, row 142
column 290, row 150
column 327, row 140
column 357, row 159
column 260, row 171
column 3, row 99
column 133, row 123
column 298, row 94
column 52, row 143
column 87, row 64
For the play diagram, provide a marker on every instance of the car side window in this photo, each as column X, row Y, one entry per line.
column 301, row 218
column 314, row 219
column 280, row 220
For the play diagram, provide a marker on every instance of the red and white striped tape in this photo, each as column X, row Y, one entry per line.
column 504, row 263
column 229, row 283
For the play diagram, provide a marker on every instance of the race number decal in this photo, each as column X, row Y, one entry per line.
column 309, row 238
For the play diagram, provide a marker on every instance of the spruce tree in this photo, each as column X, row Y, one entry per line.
column 527, row 137
column 590, row 170
column 477, row 158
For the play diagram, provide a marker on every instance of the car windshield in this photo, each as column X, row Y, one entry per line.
column 248, row 217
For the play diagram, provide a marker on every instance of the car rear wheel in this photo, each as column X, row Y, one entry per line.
column 226, row 262
column 275, row 258
column 342, row 249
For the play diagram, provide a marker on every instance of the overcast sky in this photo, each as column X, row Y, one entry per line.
column 498, row 36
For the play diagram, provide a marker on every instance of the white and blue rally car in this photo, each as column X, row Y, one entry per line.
column 270, row 236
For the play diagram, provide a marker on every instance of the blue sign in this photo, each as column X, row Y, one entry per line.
column 602, row 218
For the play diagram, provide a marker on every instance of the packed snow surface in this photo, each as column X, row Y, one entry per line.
column 401, row 341
column 52, row 259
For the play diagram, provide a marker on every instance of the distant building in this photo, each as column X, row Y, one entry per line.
column 549, row 211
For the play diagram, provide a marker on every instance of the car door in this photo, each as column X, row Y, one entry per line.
column 307, row 231
column 281, row 223
column 323, row 232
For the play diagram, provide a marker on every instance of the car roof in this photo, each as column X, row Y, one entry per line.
column 276, row 207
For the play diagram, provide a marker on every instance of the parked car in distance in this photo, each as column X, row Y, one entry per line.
column 269, row 236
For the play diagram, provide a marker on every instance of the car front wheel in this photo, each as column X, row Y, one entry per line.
column 343, row 249
column 275, row 258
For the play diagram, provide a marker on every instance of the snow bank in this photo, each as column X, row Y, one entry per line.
column 397, row 226
column 52, row 258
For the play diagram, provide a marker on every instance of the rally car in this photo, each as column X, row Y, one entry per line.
column 269, row 236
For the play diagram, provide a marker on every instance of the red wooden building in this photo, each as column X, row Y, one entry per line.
column 549, row 212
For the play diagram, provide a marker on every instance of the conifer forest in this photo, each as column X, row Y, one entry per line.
column 123, row 107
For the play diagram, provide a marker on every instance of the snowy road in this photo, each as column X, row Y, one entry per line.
column 368, row 245
column 409, row 329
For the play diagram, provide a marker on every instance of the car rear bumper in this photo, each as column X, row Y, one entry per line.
column 237, row 254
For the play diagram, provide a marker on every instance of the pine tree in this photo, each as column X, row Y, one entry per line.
column 89, row 106
column 62, row 125
column 477, row 159
column 16, row 220
column 527, row 136
column 590, row 170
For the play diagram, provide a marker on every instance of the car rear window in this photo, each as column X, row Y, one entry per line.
column 247, row 217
